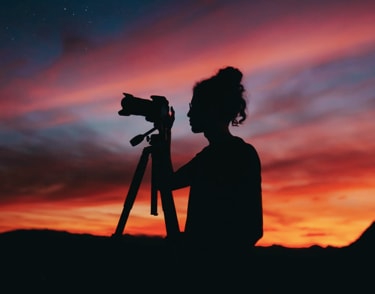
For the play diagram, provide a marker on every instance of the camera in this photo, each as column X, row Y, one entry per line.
column 153, row 110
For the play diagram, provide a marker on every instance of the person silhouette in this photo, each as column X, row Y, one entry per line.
column 224, row 213
column 225, row 199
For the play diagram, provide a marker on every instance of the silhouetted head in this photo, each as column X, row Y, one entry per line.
column 218, row 100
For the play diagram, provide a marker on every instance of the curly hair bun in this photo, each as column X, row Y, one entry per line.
column 230, row 75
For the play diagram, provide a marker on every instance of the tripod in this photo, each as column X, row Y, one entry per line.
column 166, row 196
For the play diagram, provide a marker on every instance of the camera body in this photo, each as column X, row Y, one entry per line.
column 154, row 110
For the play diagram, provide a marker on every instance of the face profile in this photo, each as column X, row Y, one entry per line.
column 217, row 102
column 197, row 117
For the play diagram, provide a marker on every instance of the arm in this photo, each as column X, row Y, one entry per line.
column 168, row 178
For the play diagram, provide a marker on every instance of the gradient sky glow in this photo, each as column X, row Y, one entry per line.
column 309, row 70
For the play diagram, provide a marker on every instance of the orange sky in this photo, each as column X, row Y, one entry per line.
column 66, row 161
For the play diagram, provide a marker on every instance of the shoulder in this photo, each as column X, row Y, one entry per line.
column 241, row 144
column 246, row 152
column 232, row 148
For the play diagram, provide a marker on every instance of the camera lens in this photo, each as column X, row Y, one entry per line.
column 135, row 106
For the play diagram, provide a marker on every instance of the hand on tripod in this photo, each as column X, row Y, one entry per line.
column 162, row 148
column 164, row 126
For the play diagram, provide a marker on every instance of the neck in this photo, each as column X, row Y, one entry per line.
column 217, row 135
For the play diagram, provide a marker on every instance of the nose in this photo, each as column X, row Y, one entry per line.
column 189, row 112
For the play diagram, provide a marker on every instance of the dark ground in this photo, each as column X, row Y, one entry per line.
column 42, row 261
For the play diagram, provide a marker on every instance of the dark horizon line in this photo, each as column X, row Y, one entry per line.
column 371, row 227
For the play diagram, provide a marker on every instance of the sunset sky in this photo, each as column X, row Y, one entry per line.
column 309, row 70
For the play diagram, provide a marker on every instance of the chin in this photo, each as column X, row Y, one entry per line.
column 196, row 130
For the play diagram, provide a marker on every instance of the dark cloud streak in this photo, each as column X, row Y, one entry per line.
column 61, row 168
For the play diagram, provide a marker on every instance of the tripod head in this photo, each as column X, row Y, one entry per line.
column 163, row 126
column 139, row 138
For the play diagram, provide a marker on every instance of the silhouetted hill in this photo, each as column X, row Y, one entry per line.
column 366, row 241
column 45, row 261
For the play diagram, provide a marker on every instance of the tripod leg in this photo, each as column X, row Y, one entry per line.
column 154, row 190
column 170, row 215
column 132, row 192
